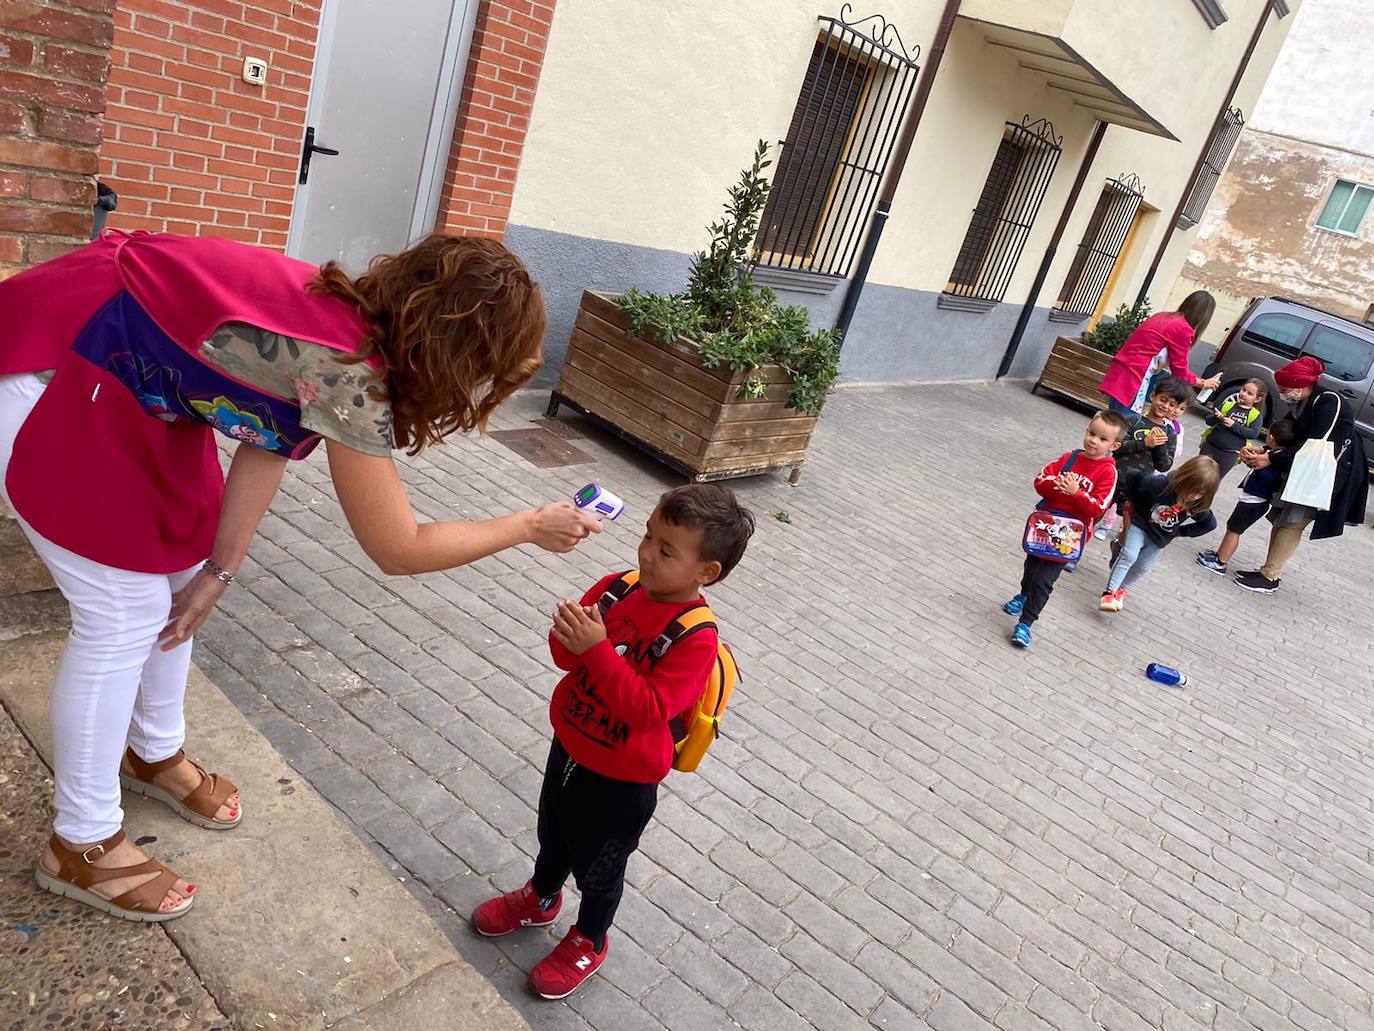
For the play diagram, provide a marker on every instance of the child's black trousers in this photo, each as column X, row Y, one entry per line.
column 1037, row 583
column 588, row 827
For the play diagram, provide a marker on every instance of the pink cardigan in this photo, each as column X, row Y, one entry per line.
column 1168, row 330
column 92, row 471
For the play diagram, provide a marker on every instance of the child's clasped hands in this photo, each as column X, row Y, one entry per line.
column 578, row 628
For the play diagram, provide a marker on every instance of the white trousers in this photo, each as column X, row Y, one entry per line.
column 114, row 684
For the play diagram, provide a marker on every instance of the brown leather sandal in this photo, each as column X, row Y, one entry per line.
column 77, row 873
column 198, row 806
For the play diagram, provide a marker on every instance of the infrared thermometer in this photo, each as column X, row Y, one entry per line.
column 596, row 500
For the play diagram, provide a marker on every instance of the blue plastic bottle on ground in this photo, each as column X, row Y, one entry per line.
column 1166, row 675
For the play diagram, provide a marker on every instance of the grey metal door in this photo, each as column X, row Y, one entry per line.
column 384, row 96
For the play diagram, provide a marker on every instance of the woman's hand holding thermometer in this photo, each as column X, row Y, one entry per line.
column 596, row 500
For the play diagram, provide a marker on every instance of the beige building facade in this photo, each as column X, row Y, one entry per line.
column 647, row 112
column 1294, row 214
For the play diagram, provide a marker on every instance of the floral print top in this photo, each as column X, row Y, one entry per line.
column 333, row 397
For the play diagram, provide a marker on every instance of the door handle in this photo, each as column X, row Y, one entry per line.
column 309, row 150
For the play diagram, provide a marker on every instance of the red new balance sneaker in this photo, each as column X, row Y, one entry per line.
column 512, row 911
column 571, row 962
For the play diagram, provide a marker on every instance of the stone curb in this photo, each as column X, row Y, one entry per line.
column 296, row 925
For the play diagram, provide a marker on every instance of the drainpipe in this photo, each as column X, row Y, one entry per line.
column 1099, row 130
column 875, row 229
column 1206, row 145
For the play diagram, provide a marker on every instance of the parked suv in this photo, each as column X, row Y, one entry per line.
column 1273, row 331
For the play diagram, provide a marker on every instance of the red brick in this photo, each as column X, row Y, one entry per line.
column 13, row 183
column 157, row 28
column 45, row 250
column 70, row 126
column 79, row 64
column 16, row 51
column 52, row 221
column 43, row 20
column 79, row 192
column 18, row 86
column 120, row 113
column 12, row 248
column 52, row 156
column 11, row 118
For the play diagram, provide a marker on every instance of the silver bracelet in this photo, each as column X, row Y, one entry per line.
column 222, row 575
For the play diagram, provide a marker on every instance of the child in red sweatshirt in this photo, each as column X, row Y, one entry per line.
column 612, row 743
column 1084, row 491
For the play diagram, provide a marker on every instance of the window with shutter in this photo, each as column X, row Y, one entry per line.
column 854, row 95
column 1100, row 249
column 1218, row 152
column 1006, row 210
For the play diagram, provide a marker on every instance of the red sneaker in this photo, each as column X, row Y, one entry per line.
column 512, row 911
column 571, row 962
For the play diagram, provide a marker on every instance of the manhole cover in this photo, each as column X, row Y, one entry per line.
column 541, row 448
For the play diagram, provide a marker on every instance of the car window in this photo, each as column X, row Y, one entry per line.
column 1346, row 357
column 1279, row 332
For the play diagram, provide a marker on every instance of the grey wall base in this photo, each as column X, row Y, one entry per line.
column 897, row 335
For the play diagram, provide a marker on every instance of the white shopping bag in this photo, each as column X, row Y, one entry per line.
column 1312, row 479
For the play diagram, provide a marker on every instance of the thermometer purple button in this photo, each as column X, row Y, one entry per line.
column 598, row 501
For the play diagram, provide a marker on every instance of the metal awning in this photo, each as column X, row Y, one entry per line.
column 1065, row 70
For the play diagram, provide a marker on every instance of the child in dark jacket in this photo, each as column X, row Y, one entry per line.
column 1257, row 491
column 1233, row 425
column 611, row 715
column 1159, row 508
column 1083, row 492
column 1150, row 442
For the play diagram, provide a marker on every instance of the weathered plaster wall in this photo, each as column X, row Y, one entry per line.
column 1260, row 235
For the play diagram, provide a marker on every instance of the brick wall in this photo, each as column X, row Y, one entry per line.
column 494, row 114
column 54, row 59
column 191, row 147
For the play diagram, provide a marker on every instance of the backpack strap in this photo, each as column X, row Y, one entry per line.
column 620, row 588
column 697, row 616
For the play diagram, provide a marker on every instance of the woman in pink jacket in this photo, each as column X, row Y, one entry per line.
column 1172, row 332
column 118, row 365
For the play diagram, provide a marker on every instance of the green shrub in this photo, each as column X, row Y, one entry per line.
column 733, row 321
column 1109, row 336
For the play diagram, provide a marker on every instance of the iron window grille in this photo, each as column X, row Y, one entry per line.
column 854, row 97
column 1010, row 201
column 1097, row 255
column 1218, row 151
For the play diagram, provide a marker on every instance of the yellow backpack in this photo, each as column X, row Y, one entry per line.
column 695, row 730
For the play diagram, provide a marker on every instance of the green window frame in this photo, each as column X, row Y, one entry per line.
column 1346, row 207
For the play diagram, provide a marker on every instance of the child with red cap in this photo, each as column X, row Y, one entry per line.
column 1317, row 414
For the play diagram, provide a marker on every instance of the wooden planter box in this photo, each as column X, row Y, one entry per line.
column 661, row 398
column 1074, row 370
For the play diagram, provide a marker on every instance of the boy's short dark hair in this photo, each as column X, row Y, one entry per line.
column 1115, row 420
column 1282, row 432
column 725, row 524
column 1173, row 388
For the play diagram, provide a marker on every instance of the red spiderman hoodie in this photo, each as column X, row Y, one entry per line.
column 611, row 711
column 1097, row 480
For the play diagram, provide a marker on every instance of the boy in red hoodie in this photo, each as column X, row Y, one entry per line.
column 1084, row 491
column 612, row 743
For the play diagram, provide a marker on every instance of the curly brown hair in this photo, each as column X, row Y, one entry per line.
column 457, row 323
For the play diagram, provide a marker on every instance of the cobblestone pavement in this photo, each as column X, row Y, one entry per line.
column 907, row 823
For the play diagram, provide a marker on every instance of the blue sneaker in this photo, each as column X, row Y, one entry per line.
column 1069, row 567
column 1021, row 636
column 1016, row 606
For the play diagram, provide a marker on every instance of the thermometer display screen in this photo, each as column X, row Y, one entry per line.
column 586, row 495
